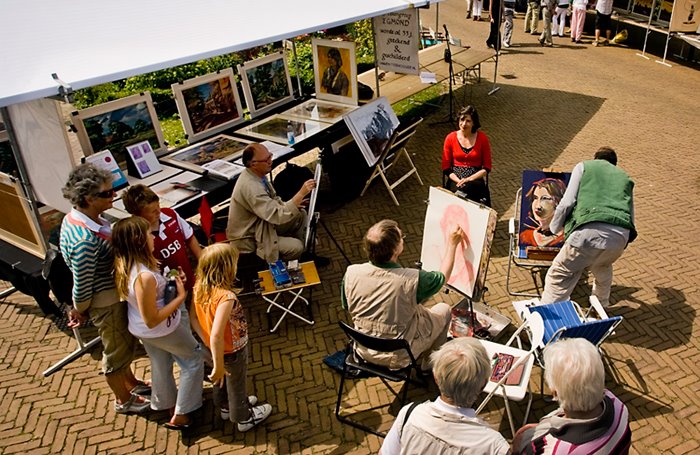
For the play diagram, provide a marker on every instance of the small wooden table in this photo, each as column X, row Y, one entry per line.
column 271, row 294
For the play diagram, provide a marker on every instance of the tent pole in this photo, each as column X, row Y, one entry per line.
column 296, row 66
column 668, row 38
column 376, row 61
column 498, row 53
column 23, row 176
column 646, row 35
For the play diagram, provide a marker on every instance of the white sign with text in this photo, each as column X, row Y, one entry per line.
column 397, row 38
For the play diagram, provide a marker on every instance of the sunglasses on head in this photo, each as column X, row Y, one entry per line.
column 107, row 194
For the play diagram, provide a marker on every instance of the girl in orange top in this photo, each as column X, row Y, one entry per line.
column 219, row 320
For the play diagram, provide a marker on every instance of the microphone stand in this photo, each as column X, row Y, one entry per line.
column 448, row 59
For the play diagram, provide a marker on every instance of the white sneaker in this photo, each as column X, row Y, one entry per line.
column 226, row 415
column 132, row 406
column 260, row 413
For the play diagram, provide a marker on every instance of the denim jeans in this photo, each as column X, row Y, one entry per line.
column 181, row 347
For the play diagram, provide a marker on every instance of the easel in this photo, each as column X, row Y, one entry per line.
column 390, row 156
column 478, row 287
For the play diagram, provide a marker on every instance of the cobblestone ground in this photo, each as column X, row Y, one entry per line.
column 555, row 107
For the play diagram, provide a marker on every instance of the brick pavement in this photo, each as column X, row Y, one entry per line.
column 555, row 107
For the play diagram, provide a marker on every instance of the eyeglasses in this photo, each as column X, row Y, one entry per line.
column 106, row 194
column 268, row 159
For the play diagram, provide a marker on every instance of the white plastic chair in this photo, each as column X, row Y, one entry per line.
column 516, row 392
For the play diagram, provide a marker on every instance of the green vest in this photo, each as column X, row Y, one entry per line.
column 604, row 195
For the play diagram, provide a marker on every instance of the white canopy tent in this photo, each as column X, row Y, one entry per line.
column 87, row 42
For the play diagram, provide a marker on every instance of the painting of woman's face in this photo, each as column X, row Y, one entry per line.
column 543, row 205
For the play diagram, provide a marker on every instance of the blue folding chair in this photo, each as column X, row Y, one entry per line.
column 562, row 320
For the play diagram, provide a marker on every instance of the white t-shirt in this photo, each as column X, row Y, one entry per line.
column 604, row 6
column 137, row 326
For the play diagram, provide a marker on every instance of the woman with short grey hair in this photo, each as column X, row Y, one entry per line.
column 449, row 424
column 590, row 419
column 86, row 247
column 84, row 181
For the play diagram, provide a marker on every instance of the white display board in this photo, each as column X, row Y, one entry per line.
column 41, row 135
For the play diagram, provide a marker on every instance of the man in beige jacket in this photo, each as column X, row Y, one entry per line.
column 385, row 299
column 258, row 220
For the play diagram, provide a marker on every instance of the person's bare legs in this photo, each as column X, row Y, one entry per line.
column 117, row 381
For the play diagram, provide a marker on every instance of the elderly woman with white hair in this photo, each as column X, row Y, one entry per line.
column 461, row 369
column 590, row 419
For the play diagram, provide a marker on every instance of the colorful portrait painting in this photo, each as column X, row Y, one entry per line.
column 208, row 104
column 540, row 195
column 445, row 211
column 266, row 83
column 335, row 74
column 118, row 124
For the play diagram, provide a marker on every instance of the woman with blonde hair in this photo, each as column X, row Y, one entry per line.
column 220, row 322
column 157, row 323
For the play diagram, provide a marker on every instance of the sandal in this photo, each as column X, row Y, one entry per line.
column 178, row 426
column 141, row 388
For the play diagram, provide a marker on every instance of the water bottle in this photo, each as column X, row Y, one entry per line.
column 290, row 133
column 170, row 290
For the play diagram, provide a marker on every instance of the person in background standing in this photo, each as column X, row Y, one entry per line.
column 603, row 13
column 578, row 19
column 469, row 8
column 532, row 17
column 548, row 7
column 496, row 13
column 559, row 18
column 508, row 13
column 477, row 8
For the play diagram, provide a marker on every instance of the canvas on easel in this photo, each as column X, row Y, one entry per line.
column 445, row 211
column 540, row 195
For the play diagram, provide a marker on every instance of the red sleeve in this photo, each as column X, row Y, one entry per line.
column 485, row 152
column 447, row 159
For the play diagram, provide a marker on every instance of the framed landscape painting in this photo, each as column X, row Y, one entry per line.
column 335, row 71
column 266, row 83
column 323, row 111
column 221, row 147
column 208, row 104
column 274, row 128
column 118, row 124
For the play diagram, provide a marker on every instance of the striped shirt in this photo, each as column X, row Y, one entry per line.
column 85, row 246
column 607, row 434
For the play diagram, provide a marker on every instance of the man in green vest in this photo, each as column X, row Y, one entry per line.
column 597, row 214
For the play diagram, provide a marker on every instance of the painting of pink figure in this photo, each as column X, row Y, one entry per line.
column 445, row 210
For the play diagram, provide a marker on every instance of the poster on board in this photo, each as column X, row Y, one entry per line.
column 445, row 211
column 397, row 38
column 685, row 16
